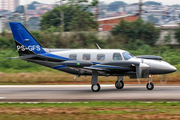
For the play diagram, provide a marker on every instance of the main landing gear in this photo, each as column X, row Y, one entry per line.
column 95, row 86
column 150, row 85
column 119, row 83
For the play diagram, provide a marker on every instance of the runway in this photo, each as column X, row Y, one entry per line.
column 72, row 93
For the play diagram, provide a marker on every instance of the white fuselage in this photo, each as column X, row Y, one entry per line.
column 156, row 66
column 93, row 54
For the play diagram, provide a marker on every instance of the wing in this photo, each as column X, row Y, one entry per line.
column 118, row 66
column 121, row 67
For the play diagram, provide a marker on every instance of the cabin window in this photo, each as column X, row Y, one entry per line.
column 101, row 57
column 117, row 56
column 86, row 56
column 127, row 55
column 72, row 57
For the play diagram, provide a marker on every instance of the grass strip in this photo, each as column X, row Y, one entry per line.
column 90, row 110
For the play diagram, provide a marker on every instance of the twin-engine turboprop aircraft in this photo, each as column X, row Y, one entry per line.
column 89, row 62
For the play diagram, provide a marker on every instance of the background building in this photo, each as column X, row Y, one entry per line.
column 107, row 24
column 8, row 4
column 16, row 3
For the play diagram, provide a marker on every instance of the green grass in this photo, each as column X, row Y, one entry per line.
column 94, row 104
column 90, row 110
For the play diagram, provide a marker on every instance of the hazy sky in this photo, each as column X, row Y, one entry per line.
column 165, row 2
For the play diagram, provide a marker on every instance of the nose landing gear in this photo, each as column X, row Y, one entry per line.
column 150, row 85
column 119, row 84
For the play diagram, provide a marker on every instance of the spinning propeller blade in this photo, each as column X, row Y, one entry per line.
column 166, row 58
column 163, row 79
column 142, row 71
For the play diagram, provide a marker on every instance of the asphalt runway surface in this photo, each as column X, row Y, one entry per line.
column 73, row 93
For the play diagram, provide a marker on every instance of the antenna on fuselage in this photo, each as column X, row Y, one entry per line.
column 98, row 46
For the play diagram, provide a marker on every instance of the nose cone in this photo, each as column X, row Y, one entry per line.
column 161, row 67
column 165, row 69
column 168, row 68
column 172, row 69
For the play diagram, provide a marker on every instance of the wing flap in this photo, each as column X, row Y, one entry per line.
column 97, row 69
column 108, row 68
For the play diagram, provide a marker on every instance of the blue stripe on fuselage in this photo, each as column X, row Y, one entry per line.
column 96, row 63
column 57, row 67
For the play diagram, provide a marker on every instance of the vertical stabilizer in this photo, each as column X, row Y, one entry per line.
column 26, row 44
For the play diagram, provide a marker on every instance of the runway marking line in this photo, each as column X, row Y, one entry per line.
column 71, row 102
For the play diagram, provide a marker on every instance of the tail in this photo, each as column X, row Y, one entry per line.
column 26, row 44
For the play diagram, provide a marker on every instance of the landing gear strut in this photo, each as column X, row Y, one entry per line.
column 150, row 85
column 119, row 83
column 95, row 86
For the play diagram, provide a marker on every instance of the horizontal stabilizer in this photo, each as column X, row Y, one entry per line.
column 22, row 57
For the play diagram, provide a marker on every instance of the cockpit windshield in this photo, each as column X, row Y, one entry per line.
column 127, row 55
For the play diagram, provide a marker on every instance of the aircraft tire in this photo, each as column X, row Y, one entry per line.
column 150, row 86
column 119, row 85
column 96, row 88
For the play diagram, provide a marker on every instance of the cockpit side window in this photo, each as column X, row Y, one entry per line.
column 117, row 56
column 127, row 55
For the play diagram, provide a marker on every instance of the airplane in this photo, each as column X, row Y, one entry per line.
column 89, row 62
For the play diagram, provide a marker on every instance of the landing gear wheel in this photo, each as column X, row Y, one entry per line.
column 150, row 86
column 119, row 84
column 95, row 88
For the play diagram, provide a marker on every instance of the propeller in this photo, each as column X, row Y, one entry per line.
column 142, row 71
column 163, row 79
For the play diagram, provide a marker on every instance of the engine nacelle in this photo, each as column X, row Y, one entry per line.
column 153, row 57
